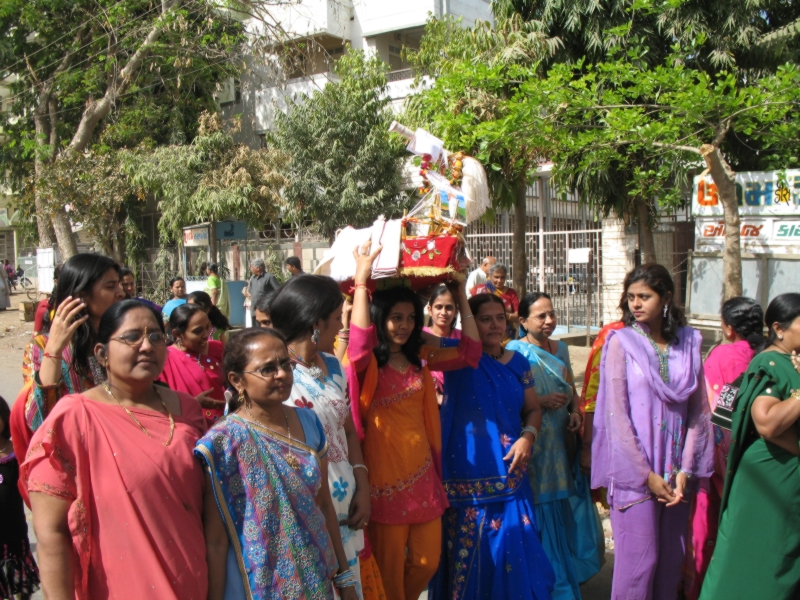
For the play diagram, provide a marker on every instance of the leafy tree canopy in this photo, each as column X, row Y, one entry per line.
column 344, row 166
column 210, row 179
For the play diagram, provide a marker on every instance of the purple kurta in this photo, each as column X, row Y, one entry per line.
column 643, row 424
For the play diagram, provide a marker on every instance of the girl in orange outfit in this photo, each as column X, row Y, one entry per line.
column 389, row 358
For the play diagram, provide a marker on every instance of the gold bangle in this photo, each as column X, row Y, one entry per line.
column 795, row 394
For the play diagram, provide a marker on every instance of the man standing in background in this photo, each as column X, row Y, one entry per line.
column 479, row 275
column 261, row 283
column 294, row 266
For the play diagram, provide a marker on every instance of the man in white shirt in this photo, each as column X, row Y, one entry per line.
column 479, row 275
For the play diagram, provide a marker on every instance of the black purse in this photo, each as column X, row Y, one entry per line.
column 726, row 403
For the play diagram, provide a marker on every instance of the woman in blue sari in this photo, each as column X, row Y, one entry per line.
column 571, row 532
column 270, row 525
column 490, row 421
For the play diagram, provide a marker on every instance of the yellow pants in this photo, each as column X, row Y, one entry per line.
column 407, row 556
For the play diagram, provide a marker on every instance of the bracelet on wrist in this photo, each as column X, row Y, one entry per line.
column 532, row 430
column 359, row 466
column 57, row 357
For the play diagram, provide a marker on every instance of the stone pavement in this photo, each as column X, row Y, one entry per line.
column 14, row 334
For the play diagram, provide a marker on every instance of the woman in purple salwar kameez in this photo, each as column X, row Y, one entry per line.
column 652, row 435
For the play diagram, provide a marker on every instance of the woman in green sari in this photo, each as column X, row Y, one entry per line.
column 758, row 546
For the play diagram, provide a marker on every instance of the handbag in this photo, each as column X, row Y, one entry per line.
column 722, row 416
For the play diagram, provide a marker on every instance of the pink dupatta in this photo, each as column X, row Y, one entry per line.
column 195, row 374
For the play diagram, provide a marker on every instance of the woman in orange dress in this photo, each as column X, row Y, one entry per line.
column 389, row 358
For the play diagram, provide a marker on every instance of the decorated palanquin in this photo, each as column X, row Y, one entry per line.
column 426, row 245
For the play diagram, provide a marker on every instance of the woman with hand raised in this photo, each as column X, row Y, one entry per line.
column 61, row 360
column 394, row 404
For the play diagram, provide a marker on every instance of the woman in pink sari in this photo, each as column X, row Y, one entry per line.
column 194, row 362
column 117, row 496
column 742, row 326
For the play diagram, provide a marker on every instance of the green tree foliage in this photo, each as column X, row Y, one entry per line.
column 478, row 73
column 99, row 76
column 344, row 166
column 210, row 179
column 655, row 124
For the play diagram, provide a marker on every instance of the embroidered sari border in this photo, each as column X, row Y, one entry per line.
column 229, row 524
column 284, row 439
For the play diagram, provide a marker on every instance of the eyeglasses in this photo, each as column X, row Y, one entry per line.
column 136, row 338
column 544, row 315
column 271, row 370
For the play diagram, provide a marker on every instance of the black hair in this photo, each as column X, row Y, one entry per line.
column 301, row 302
column 174, row 280
column 203, row 300
column 525, row 304
column 113, row 317
column 658, row 279
column 746, row 318
column 479, row 300
column 181, row 315
column 77, row 277
column 295, row 262
column 5, row 414
column 123, row 271
column 382, row 303
column 237, row 350
column 529, row 300
column 214, row 268
column 783, row 310
column 441, row 290
column 264, row 303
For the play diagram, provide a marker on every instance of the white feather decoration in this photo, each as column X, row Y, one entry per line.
column 475, row 186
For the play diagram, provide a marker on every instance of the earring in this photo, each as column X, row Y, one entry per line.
column 243, row 398
column 315, row 336
column 666, row 309
column 780, row 337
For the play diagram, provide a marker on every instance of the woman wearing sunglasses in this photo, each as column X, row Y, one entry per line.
column 117, row 496
column 571, row 533
column 271, row 527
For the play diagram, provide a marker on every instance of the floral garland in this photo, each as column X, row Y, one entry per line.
column 453, row 172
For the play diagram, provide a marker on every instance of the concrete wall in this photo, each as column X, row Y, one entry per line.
column 619, row 255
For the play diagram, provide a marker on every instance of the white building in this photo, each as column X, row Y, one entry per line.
column 382, row 27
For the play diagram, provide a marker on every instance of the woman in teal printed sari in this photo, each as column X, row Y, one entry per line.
column 571, row 532
column 490, row 420
column 270, row 525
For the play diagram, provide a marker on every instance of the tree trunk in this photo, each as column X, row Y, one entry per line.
column 724, row 179
column 519, row 257
column 66, row 241
column 647, row 245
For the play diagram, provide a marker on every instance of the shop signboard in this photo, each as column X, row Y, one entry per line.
column 195, row 236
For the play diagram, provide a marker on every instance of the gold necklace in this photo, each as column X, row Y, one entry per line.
column 132, row 416
column 290, row 458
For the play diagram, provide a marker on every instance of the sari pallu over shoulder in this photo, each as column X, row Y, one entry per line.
column 277, row 532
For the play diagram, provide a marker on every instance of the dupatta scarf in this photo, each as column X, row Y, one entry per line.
column 276, row 530
column 184, row 373
column 550, row 473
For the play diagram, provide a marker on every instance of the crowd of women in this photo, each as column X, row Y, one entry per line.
column 345, row 448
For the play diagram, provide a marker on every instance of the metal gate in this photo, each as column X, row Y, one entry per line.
column 569, row 285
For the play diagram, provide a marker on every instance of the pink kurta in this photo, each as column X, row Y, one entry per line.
column 136, row 505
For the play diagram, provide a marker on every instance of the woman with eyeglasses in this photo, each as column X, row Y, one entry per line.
column 194, row 363
column 61, row 361
column 571, row 532
column 271, row 527
column 116, row 493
